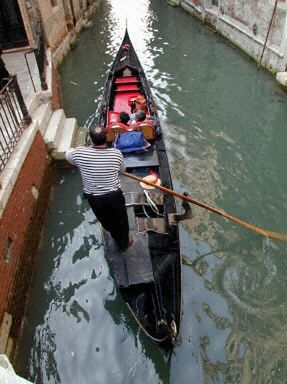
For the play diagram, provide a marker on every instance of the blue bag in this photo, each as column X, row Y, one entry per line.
column 130, row 142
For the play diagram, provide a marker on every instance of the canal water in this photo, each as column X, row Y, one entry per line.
column 225, row 129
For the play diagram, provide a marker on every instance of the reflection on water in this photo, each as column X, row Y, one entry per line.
column 224, row 127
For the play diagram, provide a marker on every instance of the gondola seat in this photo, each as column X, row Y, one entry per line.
column 114, row 129
column 127, row 88
column 127, row 80
column 147, row 128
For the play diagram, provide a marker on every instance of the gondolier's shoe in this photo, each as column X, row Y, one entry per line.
column 131, row 240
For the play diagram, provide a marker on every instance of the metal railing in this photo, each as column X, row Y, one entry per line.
column 14, row 117
column 40, row 56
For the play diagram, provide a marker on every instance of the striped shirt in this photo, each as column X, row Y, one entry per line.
column 99, row 168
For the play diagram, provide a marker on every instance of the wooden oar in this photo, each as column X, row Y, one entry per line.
column 260, row 231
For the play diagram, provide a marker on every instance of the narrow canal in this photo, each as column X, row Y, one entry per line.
column 225, row 130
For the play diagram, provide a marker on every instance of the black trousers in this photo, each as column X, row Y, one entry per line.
column 111, row 212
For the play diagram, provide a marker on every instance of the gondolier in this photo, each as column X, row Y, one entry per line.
column 100, row 168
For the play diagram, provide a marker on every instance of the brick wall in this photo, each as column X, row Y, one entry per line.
column 20, row 228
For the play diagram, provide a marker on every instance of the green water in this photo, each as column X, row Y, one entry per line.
column 225, row 131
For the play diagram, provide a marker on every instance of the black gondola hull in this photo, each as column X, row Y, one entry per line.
column 148, row 274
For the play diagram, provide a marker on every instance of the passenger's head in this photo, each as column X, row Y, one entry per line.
column 140, row 115
column 98, row 135
column 124, row 117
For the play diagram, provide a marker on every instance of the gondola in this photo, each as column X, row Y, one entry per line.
column 147, row 274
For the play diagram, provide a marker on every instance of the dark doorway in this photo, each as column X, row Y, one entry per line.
column 12, row 31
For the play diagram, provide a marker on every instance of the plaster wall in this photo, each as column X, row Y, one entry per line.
column 54, row 22
column 258, row 13
column 58, row 17
column 77, row 9
column 27, row 22
column 68, row 13
column 246, row 24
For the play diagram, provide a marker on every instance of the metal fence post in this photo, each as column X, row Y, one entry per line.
column 26, row 117
column 40, row 55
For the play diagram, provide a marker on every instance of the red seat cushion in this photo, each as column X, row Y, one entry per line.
column 113, row 117
column 121, row 100
column 146, row 127
column 126, row 80
column 127, row 87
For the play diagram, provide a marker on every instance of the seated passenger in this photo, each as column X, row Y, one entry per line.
column 124, row 118
column 140, row 116
column 138, row 103
column 145, row 125
column 122, row 123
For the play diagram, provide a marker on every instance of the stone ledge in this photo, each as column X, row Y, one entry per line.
column 4, row 331
column 7, row 373
column 174, row 2
column 9, row 175
column 281, row 77
column 66, row 139
column 191, row 8
column 59, row 54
